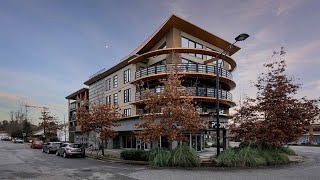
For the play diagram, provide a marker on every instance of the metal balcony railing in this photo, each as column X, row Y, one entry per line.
column 199, row 68
column 191, row 91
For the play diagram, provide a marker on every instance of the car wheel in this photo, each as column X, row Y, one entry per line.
column 57, row 153
column 64, row 155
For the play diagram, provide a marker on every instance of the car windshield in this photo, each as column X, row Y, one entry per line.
column 37, row 142
column 75, row 145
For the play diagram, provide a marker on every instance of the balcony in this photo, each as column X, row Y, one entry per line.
column 196, row 68
column 72, row 128
column 193, row 91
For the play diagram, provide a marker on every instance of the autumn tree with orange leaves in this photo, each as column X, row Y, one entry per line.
column 101, row 118
column 170, row 112
column 276, row 116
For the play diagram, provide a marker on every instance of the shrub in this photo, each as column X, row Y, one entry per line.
column 160, row 158
column 254, row 155
column 184, row 156
column 135, row 155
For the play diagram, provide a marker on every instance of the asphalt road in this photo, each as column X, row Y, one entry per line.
column 18, row 161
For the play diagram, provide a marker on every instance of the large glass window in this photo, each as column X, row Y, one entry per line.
column 108, row 84
column 115, row 81
column 163, row 46
column 126, row 75
column 115, row 98
column 187, row 43
column 126, row 95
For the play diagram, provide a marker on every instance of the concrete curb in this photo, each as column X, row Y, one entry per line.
column 108, row 158
column 295, row 159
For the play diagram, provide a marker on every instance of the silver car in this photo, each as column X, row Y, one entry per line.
column 70, row 149
column 50, row 147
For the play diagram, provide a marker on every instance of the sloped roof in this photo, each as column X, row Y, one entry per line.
column 176, row 22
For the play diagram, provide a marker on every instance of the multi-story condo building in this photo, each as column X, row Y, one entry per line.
column 176, row 43
column 76, row 100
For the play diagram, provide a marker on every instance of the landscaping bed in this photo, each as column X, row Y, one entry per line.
column 255, row 155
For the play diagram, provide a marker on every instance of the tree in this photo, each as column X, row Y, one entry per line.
column 170, row 112
column 101, row 118
column 48, row 123
column 276, row 116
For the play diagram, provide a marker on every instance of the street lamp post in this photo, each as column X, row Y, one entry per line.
column 241, row 37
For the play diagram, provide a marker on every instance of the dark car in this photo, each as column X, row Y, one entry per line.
column 5, row 139
column 36, row 145
column 70, row 149
column 51, row 147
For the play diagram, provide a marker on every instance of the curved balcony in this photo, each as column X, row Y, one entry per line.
column 187, row 69
column 157, row 52
column 198, row 93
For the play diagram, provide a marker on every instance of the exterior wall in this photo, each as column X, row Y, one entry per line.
column 63, row 134
column 99, row 89
column 173, row 40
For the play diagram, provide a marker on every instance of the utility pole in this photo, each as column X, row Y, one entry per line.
column 65, row 130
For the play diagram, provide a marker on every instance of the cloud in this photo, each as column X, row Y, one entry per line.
column 304, row 53
column 177, row 7
column 284, row 7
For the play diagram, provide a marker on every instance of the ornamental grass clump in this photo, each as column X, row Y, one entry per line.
column 184, row 156
column 160, row 157
column 254, row 155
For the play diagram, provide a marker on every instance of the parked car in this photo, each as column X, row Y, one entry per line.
column 36, row 145
column 18, row 141
column 70, row 149
column 5, row 139
column 50, row 147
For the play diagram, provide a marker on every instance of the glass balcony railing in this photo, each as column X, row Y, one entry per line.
column 198, row 68
column 191, row 91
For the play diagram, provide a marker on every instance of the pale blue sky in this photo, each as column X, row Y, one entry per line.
column 49, row 48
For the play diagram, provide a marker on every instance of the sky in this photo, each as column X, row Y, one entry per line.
column 49, row 48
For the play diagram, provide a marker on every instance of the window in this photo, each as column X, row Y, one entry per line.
column 127, row 112
column 187, row 43
column 115, row 98
column 108, row 84
column 209, row 57
column 126, row 95
column 108, row 99
column 126, row 75
column 199, row 46
column 115, row 81
column 164, row 45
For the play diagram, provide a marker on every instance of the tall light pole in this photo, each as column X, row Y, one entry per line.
column 241, row 37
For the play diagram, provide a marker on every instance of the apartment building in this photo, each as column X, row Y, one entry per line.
column 177, row 43
column 76, row 100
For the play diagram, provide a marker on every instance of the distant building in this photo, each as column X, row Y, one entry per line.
column 76, row 100
column 311, row 135
column 63, row 134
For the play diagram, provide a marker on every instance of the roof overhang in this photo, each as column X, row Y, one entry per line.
column 176, row 22
column 73, row 96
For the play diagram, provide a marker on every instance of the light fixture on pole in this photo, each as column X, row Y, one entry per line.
column 241, row 37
